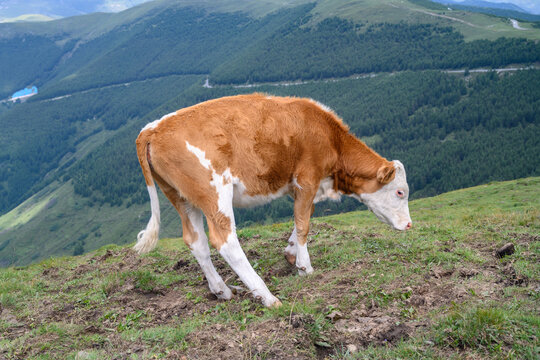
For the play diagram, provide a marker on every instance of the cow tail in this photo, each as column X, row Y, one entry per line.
column 147, row 239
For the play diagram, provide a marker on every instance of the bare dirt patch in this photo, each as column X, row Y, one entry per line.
column 271, row 339
column 372, row 330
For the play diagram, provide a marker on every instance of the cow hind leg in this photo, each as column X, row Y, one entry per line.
column 195, row 238
column 226, row 242
column 198, row 245
column 223, row 237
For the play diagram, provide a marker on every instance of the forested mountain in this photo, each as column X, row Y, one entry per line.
column 68, row 165
column 499, row 9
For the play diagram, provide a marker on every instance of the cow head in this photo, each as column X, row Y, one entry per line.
column 390, row 202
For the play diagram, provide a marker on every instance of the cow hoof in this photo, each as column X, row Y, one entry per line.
column 224, row 294
column 272, row 302
column 303, row 271
column 291, row 259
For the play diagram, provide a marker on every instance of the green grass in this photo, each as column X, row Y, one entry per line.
column 473, row 26
column 487, row 329
column 438, row 287
column 24, row 212
column 105, row 222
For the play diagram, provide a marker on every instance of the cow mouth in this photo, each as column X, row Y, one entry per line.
column 403, row 227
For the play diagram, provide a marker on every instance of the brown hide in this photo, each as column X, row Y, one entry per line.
column 265, row 141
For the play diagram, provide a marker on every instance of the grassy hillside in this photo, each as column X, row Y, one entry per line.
column 472, row 25
column 68, row 159
column 434, row 292
column 402, row 116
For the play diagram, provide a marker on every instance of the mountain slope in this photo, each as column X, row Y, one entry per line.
column 484, row 4
column 498, row 9
column 436, row 291
column 435, row 123
column 103, row 76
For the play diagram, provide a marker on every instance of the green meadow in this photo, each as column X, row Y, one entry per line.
column 437, row 291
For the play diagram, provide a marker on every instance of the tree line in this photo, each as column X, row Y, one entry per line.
column 337, row 48
column 448, row 130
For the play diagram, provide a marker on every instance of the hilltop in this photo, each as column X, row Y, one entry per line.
column 412, row 80
column 437, row 291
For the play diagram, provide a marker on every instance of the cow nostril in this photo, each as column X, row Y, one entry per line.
column 409, row 225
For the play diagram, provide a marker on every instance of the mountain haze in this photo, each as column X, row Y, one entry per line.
column 70, row 181
column 64, row 8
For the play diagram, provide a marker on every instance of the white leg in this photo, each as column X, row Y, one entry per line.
column 231, row 250
column 302, row 260
column 201, row 251
column 290, row 250
column 236, row 258
column 224, row 237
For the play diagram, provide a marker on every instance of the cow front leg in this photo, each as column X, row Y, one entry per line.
column 290, row 250
column 303, row 208
column 303, row 262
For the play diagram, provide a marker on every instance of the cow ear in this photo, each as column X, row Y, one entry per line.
column 386, row 173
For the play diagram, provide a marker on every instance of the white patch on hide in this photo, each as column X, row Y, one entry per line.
column 241, row 199
column 155, row 123
column 326, row 191
column 200, row 154
column 231, row 250
column 322, row 106
column 296, row 184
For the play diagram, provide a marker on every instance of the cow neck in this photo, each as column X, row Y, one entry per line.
column 357, row 166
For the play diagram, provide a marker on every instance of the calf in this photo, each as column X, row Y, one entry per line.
column 247, row 150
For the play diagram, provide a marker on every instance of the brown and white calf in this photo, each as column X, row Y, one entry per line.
column 247, row 150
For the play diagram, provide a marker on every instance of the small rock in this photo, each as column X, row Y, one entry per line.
column 91, row 329
column 351, row 348
column 429, row 342
column 507, row 249
column 334, row 316
column 467, row 273
column 81, row 355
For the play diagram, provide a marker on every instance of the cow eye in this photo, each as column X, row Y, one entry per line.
column 400, row 193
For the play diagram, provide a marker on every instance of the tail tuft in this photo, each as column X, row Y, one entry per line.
column 147, row 239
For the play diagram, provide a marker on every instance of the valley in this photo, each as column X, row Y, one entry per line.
column 414, row 86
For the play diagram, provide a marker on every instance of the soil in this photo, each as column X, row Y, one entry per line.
column 295, row 337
